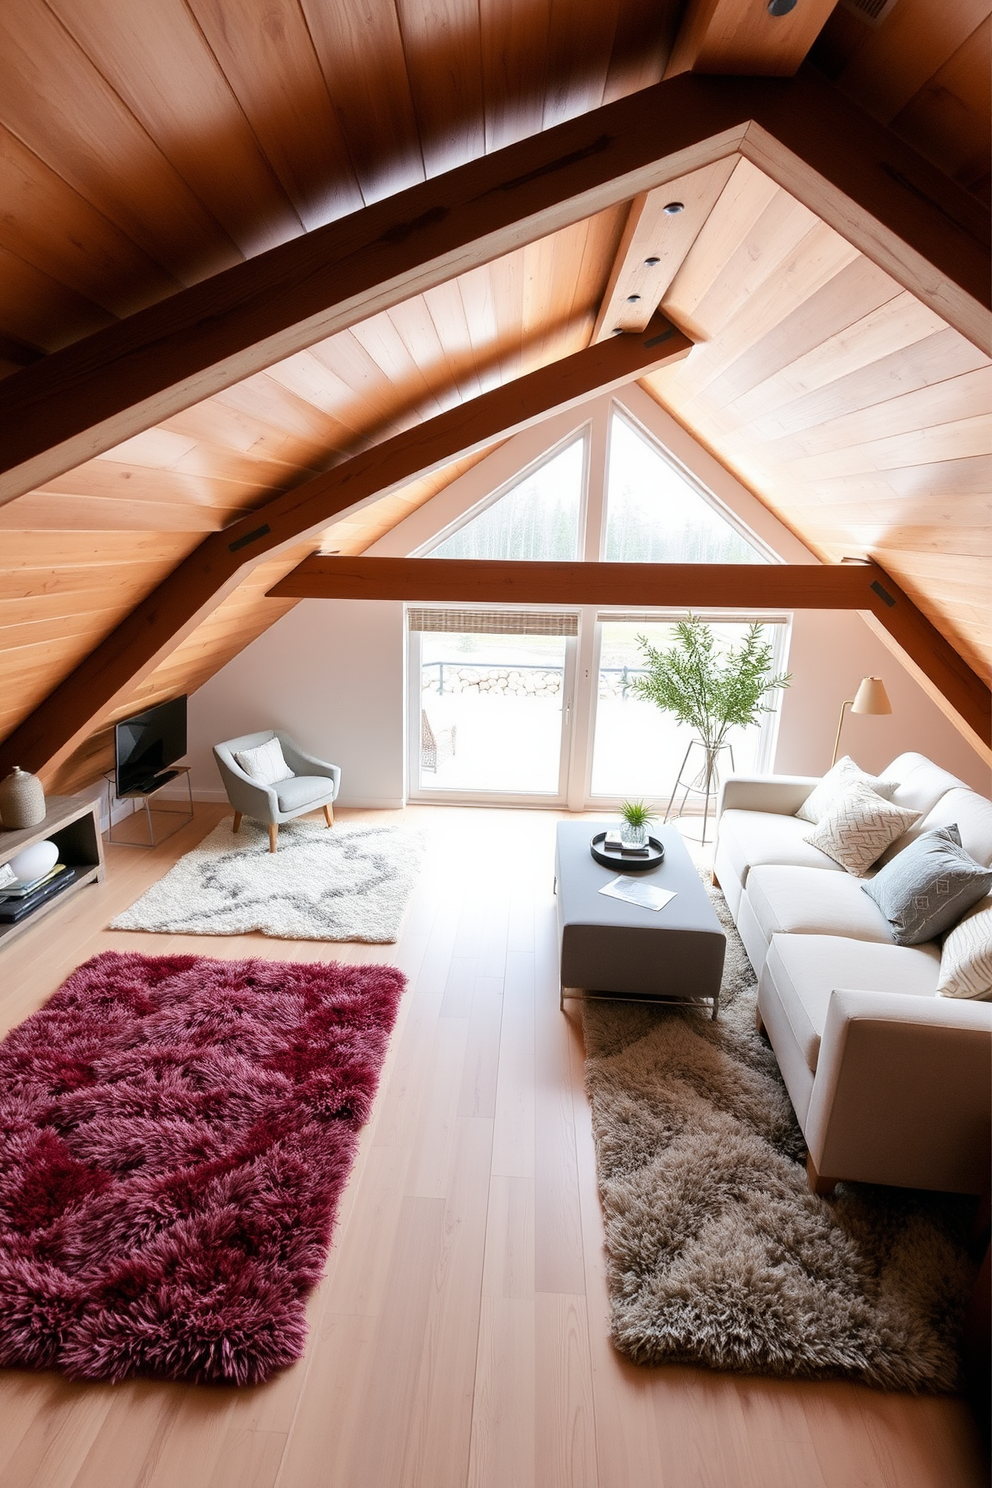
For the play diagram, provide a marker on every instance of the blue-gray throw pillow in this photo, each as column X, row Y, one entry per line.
column 927, row 887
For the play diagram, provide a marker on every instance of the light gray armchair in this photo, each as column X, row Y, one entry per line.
column 313, row 784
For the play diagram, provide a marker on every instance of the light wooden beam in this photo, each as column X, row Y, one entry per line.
column 894, row 206
column 745, row 37
column 654, row 244
column 844, row 586
column 193, row 590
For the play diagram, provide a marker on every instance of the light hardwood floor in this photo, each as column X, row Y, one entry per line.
column 459, row 1337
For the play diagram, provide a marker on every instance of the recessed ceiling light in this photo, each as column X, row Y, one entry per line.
column 649, row 263
column 671, row 209
column 617, row 331
column 632, row 299
column 780, row 7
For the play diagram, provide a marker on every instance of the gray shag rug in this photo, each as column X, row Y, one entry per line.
column 346, row 883
column 718, row 1254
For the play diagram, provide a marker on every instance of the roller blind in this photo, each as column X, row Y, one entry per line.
column 495, row 622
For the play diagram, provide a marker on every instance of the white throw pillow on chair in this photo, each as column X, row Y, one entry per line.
column 265, row 763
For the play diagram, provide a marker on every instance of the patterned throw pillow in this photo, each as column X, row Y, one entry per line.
column 265, row 763
column 837, row 780
column 928, row 886
column 966, row 958
column 859, row 827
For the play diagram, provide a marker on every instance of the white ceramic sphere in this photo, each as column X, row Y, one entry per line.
column 35, row 861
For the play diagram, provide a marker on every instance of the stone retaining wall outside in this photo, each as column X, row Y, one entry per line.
column 517, row 681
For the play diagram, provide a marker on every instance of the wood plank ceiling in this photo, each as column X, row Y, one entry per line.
column 143, row 148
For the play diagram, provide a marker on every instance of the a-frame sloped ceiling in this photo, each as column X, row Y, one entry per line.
column 144, row 148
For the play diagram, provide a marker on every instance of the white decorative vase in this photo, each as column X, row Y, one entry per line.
column 32, row 863
column 22, row 801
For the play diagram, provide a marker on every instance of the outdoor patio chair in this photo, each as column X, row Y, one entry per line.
column 435, row 747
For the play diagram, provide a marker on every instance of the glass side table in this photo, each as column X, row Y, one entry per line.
column 123, row 834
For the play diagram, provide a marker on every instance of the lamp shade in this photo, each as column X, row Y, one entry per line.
column 871, row 697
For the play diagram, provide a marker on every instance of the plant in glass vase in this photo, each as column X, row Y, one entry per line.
column 636, row 818
column 713, row 691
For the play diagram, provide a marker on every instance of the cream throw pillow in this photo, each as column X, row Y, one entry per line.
column 837, row 780
column 859, row 827
column 966, row 957
column 265, row 763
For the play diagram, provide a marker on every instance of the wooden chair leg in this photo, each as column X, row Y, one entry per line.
column 819, row 1185
column 237, row 822
column 329, row 815
column 273, row 835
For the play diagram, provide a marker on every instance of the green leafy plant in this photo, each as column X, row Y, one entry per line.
column 636, row 814
column 712, row 691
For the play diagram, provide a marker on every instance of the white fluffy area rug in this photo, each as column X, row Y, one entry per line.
column 346, row 883
column 718, row 1254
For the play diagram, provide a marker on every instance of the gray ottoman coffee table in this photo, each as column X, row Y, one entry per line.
column 613, row 949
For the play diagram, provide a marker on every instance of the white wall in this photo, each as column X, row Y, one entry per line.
column 831, row 651
column 331, row 674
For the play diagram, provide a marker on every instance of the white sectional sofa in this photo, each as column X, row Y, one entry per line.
column 891, row 1082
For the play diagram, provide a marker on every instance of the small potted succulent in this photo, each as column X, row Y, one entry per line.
column 636, row 819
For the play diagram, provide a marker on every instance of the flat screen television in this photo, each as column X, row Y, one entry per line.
column 147, row 744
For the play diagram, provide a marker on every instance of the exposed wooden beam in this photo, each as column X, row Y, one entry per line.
column 474, row 581
column 893, row 205
column 961, row 694
column 866, row 587
column 654, row 244
column 745, row 37
column 193, row 590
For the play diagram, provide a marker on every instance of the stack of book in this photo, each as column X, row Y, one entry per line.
column 613, row 842
column 18, row 900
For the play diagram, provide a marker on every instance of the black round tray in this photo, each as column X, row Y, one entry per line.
column 629, row 862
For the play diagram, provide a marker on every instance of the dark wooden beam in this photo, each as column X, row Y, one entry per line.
column 740, row 37
column 961, row 694
column 172, row 611
column 633, row 585
column 893, row 205
column 844, row 586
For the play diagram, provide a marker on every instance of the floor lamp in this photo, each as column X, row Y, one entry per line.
column 870, row 697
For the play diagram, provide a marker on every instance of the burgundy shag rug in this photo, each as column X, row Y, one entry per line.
column 174, row 1135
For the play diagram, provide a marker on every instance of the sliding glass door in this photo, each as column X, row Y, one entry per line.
column 494, row 715
column 637, row 749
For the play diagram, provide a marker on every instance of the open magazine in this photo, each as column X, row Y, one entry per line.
column 636, row 891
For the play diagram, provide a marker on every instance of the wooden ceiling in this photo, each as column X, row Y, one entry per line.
column 145, row 147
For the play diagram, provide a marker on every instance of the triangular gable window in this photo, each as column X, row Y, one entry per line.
column 536, row 518
column 656, row 514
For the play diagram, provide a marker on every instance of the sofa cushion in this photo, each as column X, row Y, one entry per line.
column 929, row 886
column 302, row 789
column 859, row 827
column 750, row 838
column 921, row 782
column 973, row 815
column 805, row 970
column 807, row 901
column 264, row 763
column 838, row 778
column 966, row 958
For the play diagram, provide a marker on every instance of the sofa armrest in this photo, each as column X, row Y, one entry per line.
column 903, row 1091
column 781, row 794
